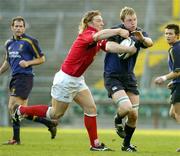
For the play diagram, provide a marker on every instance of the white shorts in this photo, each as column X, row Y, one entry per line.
column 66, row 87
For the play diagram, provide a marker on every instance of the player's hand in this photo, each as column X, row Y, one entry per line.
column 123, row 33
column 138, row 35
column 170, row 85
column 23, row 64
column 160, row 80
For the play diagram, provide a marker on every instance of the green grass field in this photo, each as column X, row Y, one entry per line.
column 37, row 142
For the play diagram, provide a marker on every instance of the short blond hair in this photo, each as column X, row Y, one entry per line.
column 126, row 11
column 88, row 16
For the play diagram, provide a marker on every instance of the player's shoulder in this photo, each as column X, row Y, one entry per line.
column 28, row 37
column 118, row 26
column 8, row 42
column 176, row 46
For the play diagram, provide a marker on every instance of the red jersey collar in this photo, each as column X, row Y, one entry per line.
column 91, row 28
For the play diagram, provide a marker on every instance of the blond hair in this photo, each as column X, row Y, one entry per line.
column 126, row 11
column 88, row 16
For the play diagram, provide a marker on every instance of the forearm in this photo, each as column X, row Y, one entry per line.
column 106, row 33
column 147, row 42
column 114, row 47
column 4, row 67
column 171, row 75
column 36, row 61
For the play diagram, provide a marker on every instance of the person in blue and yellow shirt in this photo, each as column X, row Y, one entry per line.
column 172, row 32
column 22, row 52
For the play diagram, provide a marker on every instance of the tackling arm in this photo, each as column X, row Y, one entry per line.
column 106, row 33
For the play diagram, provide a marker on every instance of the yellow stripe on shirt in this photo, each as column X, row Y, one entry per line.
column 171, row 54
column 33, row 46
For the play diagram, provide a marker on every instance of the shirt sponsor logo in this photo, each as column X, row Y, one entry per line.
column 14, row 54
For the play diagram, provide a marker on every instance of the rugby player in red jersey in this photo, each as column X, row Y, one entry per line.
column 69, row 83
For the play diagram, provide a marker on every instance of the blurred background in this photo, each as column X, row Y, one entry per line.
column 55, row 24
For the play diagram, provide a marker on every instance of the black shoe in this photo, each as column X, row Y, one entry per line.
column 52, row 128
column 130, row 148
column 178, row 150
column 12, row 142
column 120, row 130
column 101, row 147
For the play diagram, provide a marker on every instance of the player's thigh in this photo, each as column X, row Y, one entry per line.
column 85, row 99
column 133, row 98
column 21, row 86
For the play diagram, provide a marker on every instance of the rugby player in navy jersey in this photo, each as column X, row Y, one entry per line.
column 69, row 84
column 120, row 80
column 172, row 32
column 22, row 52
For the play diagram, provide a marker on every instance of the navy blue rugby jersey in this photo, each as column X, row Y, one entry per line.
column 174, row 59
column 116, row 65
column 24, row 48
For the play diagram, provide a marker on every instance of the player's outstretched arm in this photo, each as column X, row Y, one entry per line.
column 106, row 33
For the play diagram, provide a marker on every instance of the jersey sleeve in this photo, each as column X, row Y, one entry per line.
column 102, row 44
column 88, row 37
column 6, row 45
column 175, row 55
column 37, row 52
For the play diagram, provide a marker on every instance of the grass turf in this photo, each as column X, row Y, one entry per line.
column 37, row 142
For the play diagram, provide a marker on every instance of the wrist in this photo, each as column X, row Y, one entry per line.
column 142, row 41
column 164, row 78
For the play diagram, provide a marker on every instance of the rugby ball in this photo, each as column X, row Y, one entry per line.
column 126, row 42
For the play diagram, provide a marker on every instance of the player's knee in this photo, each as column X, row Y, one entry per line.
column 58, row 115
column 11, row 109
column 172, row 115
column 52, row 113
column 90, row 109
column 125, row 109
column 124, row 104
column 177, row 118
column 133, row 116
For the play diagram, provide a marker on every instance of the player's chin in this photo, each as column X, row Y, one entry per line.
column 133, row 28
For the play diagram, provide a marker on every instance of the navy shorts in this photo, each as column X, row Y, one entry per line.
column 21, row 85
column 116, row 82
column 175, row 93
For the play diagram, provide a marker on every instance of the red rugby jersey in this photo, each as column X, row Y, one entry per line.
column 82, row 53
